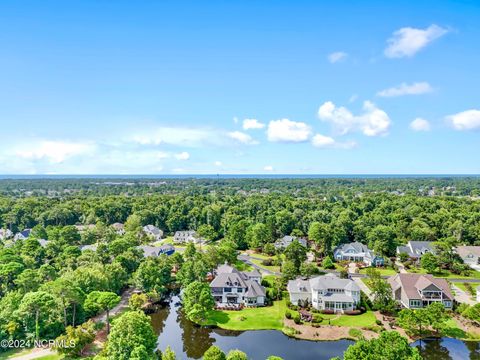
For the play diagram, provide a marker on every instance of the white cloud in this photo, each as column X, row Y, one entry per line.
column 353, row 98
column 217, row 163
column 407, row 41
column 179, row 136
column 54, row 151
column 242, row 138
column 268, row 168
column 182, row 156
column 337, row 56
column 465, row 120
column 373, row 122
column 324, row 142
column 285, row 130
column 417, row 88
column 420, row 124
column 252, row 124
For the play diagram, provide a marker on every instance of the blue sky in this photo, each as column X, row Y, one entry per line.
column 149, row 87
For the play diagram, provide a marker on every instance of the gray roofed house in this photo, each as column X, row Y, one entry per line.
column 469, row 254
column 155, row 251
column 22, row 235
column 415, row 249
column 186, row 236
column 153, row 231
column 357, row 252
column 231, row 287
column 287, row 240
column 327, row 292
column 119, row 228
column 420, row 290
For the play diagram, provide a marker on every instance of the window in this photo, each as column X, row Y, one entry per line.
column 227, row 289
column 239, row 290
column 415, row 303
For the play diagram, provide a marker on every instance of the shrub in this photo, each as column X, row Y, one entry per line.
column 316, row 318
column 288, row 314
column 328, row 311
column 403, row 257
column 327, row 263
column 378, row 322
column 315, row 325
column 461, row 308
column 267, row 262
column 469, row 288
column 352, row 312
column 355, row 333
column 343, row 274
column 296, row 319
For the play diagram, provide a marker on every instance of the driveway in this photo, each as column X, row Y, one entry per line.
column 247, row 260
column 461, row 296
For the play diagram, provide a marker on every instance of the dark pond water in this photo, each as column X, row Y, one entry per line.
column 446, row 348
column 190, row 341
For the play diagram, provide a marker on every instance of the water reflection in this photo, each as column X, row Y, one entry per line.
column 446, row 349
column 191, row 341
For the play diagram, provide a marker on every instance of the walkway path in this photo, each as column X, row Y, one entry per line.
column 400, row 266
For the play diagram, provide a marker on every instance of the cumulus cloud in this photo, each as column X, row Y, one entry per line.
column 268, row 168
column 252, row 124
column 337, row 56
column 417, row 88
column 182, row 156
column 420, row 124
column 285, row 130
column 465, row 120
column 407, row 41
column 242, row 138
column 54, row 151
column 326, row 142
column 373, row 121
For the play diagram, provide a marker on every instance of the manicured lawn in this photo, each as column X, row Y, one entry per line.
column 383, row 271
column 241, row 266
column 261, row 318
column 268, row 267
column 14, row 353
column 464, row 288
column 365, row 319
column 446, row 274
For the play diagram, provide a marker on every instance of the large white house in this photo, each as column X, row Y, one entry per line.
column 153, row 231
column 327, row 292
column 186, row 237
column 357, row 252
column 231, row 287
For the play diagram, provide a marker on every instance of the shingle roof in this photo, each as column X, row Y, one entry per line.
column 411, row 283
column 463, row 251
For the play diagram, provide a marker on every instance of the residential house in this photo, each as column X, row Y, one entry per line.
column 5, row 234
column 231, row 287
column 22, row 235
column 43, row 243
column 92, row 247
column 469, row 254
column 420, row 290
column 287, row 240
column 186, row 237
column 359, row 253
column 153, row 231
column 119, row 228
column 327, row 292
column 415, row 249
column 156, row 250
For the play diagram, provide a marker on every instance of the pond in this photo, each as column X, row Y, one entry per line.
column 190, row 341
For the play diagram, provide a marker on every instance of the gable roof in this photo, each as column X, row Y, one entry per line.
column 416, row 248
column 463, row 251
column 324, row 282
column 412, row 283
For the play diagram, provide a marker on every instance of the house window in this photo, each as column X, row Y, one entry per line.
column 227, row 289
column 239, row 290
column 415, row 303
column 447, row 304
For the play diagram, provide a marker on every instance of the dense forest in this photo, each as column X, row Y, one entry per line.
column 50, row 290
